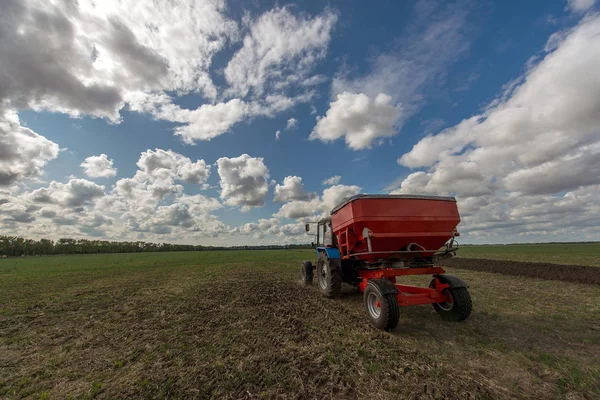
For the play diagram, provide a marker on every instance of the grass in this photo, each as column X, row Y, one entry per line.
column 559, row 253
column 239, row 325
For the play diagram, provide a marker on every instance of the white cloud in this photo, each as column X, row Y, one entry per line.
column 75, row 193
column 291, row 189
column 103, row 51
column 580, row 5
column 334, row 195
column 207, row 121
column 334, row 180
column 285, row 233
column 244, row 181
column 156, row 180
column 291, row 123
column 399, row 81
column 98, row 167
column 538, row 140
column 437, row 37
column 278, row 44
column 299, row 209
column 277, row 134
column 113, row 54
column 147, row 206
column 211, row 120
column 169, row 165
column 23, row 152
column 331, row 197
column 359, row 119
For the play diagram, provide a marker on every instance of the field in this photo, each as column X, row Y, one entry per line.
column 239, row 325
column 560, row 253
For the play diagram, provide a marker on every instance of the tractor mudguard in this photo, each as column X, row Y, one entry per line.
column 331, row 252
column 384, row 286
column 453, row 281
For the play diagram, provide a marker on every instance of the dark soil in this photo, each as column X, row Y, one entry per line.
column 555, row 272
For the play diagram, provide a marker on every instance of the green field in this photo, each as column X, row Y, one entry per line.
column 560, row 253
column 238, row 324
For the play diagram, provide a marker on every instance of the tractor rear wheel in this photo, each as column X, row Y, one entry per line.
column 460, row 306
column 329, row 275
column 307, row 273
column 383, row 310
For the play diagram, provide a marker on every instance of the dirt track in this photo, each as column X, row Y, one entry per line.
column 556, row 272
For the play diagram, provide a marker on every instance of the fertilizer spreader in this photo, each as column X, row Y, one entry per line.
column 369, row 240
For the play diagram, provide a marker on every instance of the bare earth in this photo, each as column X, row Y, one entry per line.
column 558, row 272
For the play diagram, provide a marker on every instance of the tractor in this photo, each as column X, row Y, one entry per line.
column 370, row 240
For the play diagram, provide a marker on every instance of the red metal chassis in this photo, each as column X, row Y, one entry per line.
column 410, row 295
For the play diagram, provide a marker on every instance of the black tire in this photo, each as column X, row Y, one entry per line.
column 329, row 275
column 461, row 305
column 307, row 273
column 387, row 315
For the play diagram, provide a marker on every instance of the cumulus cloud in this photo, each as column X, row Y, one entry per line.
column 99, row 167
column 148, row 205
column 73, row 194
column 122, row 53
column 334, row 180
column 277, row 134
column 11, row 213
column 289, row 232
column 169, row 165
column 580, row 5
column 23, row 153
column 280, row 49
column 207, row 121
column 299, row 209
column 155, row 183
column 399, row 80
column 334, row 195
column 211, row 120
column 536, row 142
column 359, row 119
column 291, row 123
column 330, row 198
column 291, row 189
column 102, row 52
column 244, row 181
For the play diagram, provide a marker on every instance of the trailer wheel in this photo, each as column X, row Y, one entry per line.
column 307, row 273
column 459, row 308
column 383, row 310
column 329, row 275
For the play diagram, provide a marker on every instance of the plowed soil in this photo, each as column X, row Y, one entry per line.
column 555, row 272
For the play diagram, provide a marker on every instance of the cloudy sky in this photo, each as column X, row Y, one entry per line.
column 229, row 122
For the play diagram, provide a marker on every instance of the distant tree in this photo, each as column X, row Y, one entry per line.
column 14, row 246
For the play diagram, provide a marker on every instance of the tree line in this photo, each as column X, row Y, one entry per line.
column 15, row 246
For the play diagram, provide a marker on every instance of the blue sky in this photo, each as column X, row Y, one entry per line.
column 474, row 99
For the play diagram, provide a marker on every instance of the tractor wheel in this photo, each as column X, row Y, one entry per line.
column 307, row 273
column 329, row 275
column 459, row 308
column 383, row 311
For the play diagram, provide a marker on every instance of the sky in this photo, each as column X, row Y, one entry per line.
column 235, row 122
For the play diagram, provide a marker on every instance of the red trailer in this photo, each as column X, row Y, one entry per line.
column 369, row 240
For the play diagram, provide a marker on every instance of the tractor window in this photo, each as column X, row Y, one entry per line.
column 322, row 228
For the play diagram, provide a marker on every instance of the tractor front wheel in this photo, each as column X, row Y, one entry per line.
column 307, row 273
column 458, row 306
column 383, row 310
column 329, row 275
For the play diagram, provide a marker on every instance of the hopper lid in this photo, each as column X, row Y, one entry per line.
column 389, row 196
